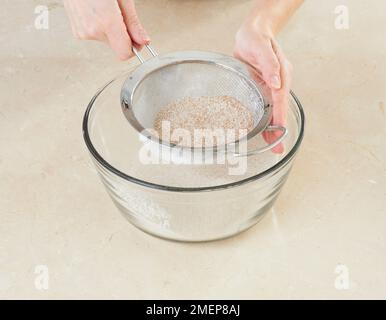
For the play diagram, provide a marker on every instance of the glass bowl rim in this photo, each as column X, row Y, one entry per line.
column 86, row 136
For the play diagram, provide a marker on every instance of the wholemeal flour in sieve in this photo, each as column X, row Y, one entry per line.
column 198, row 113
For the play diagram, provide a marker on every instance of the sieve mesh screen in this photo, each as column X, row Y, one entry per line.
column 192, row 79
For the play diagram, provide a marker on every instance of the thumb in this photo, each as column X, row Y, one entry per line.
column 133, row 25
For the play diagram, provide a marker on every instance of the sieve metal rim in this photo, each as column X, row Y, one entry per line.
column 157, row 62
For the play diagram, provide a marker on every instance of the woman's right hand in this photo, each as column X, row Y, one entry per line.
column 114, row 22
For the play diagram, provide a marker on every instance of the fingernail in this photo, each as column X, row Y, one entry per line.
column 275, row 82
column 145, row 36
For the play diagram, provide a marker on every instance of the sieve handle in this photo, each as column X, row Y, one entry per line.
column 138, row 55
column 272, row 145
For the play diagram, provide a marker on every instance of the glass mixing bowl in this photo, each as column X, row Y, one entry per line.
column 180, row 201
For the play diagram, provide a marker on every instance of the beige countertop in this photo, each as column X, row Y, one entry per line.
column 328, row 226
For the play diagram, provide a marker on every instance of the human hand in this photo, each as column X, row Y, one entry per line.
column 114, row 22
column 255, row 45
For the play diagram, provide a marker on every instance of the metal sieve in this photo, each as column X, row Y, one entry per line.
column 170, row 77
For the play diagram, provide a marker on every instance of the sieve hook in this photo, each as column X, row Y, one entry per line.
column 138, row 55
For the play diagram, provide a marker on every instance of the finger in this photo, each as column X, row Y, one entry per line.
column 267, row 61
column 133, row 25
column 269, row 136
column 119, row 39
column 280, row 99
column 265, row 89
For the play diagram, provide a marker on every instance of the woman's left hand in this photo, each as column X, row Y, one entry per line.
column 255, row 45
